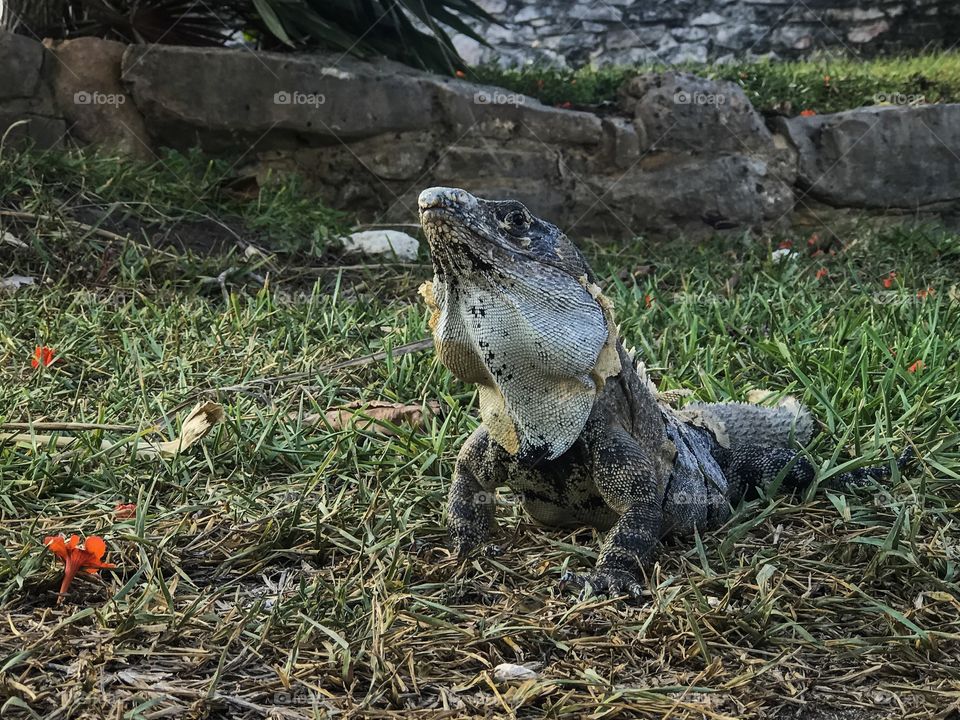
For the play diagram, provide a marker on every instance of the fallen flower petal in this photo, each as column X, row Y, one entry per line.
column 807, row 113
column 43, row 355
column 76, row 556
column 122, row 511
column 917, row 365
column 822, row 273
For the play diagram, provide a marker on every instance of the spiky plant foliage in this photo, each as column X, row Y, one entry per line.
column 411, row 31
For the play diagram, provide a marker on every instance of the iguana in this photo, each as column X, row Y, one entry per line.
column 570, row 421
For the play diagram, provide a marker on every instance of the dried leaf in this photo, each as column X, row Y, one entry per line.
column 378, row 415
column 41, row 441
column 766, row 571
column 10, row 239
column 15, row 282
column 508, row 672
column 132, row 677
column 196, row 425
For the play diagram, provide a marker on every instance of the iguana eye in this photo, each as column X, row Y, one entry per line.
column 516, row 220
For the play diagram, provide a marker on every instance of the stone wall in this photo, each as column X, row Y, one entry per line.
column 680, row 156
column 575, row 33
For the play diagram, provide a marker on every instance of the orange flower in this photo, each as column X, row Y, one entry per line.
column 888, row 280
column 807, row 113
column 566, row 105
column 122, row 511
column 460, row 74
column 822, row 273
column 917, row 365
column 813, row 240
column 43, row 355
column 75, row 557
column 648, row 300
column 924, row 294
column 785, row 245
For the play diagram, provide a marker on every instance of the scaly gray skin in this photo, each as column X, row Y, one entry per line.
column 570, row 423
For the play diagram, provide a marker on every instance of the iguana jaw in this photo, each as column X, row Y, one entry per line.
column 514, row 311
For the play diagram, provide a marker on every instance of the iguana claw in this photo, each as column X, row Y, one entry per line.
column 464, row 551
column 613, row 583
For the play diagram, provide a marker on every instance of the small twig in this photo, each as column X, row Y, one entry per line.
column 75, row 223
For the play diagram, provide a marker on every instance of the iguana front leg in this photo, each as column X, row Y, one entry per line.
column 627, row 479
column 472, row 499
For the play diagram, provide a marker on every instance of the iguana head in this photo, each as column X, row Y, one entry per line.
column 516, row 311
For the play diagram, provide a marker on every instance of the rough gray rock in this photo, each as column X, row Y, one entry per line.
column 683, row 155
column 382, row 244
column 680, row 111
column 188, row 95
column 89, row 94
column 25, row 97
column 879, row 157
column 21, row 60
column 41, row 131
column 675, row 194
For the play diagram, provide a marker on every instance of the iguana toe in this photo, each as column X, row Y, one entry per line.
column 613, row 583
column 463, row 551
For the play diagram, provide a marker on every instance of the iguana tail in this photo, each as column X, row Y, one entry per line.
column 871, row 473
column 749, row 468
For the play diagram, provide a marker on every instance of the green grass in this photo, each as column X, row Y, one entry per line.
column 824, row 85
column 284, row 565
column 207, row 199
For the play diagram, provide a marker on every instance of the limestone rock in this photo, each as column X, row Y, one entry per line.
column 90, row 95
column 672, row 194
column 879, row 157
column 21, row 60
column 40, row 127
column 193, row 94
column 681, row 111
column 382, row 244
column 27, row 112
